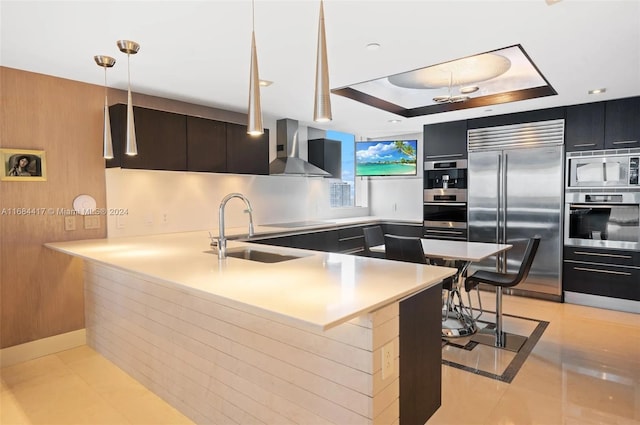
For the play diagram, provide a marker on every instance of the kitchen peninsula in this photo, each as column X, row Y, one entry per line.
column 318, row 338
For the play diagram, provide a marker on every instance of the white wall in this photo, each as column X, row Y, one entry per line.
column 398, row 197
column 175, row 201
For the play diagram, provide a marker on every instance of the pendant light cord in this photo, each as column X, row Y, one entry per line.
column 253, row 16
column 105, row 87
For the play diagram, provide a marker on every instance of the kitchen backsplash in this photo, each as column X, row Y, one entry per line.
column 148, row 202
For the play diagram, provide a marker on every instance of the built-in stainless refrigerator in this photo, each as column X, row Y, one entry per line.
column 515, row 191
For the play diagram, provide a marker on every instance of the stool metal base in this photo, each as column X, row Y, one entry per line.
column 506, row 341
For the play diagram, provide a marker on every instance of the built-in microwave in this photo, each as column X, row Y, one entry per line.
column 602, row 169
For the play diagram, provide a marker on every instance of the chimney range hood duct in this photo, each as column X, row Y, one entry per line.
column 288, row 163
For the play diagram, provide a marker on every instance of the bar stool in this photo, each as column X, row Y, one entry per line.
column 373, row 236
column 499, row 338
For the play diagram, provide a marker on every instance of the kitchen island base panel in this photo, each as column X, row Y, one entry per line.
column 217, row 364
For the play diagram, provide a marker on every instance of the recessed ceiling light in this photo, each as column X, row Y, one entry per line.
column 373, row 46
column 394, row 121
column 265, row 83
column 597, row 91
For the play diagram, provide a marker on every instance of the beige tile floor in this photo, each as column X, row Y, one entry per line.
column 584, row 370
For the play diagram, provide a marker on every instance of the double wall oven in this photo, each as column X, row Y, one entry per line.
column 445, row 200
column 602, row 201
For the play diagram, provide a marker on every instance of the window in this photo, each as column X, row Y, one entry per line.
column 343, row 193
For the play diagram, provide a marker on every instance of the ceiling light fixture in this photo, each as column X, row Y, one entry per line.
column 450, row 98
column 472, row 69
column 265, row 83
column 597, row 91
column 373, row 46
column 322, row 104
column 130, row 48
column 107, row 143
column 394, row 121
column 254, row 124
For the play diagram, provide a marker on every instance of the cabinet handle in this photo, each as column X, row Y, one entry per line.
column 446, row 232
column 586, row 269
column 625, row 142
column 444, row 156
column 446, row 204
column 627, row 257
column 582, row 145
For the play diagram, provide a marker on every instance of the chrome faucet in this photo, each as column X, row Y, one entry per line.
column 221, row 243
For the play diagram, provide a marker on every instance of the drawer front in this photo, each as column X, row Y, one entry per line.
column 606, row 256
column 602, row 279
column 350, row 232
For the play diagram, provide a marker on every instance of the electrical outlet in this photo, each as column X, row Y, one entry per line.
column 121, row 221
column 164, row 217
column 387, row 360
column 70, row 222
column 91, row 221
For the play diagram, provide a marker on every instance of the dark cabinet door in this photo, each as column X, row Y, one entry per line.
column 160, row 136
column 447, row 140
column 326, row 154
column 402, row 230
column 584, row 127
column 206, row 145
column 622, row 123
column 319, row 241
column 246, row 154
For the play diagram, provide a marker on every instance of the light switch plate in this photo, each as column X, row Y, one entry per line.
column 69, row 222
column 91, row 221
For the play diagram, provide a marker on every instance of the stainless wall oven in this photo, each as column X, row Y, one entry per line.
column 445, row 200
column 604, row 220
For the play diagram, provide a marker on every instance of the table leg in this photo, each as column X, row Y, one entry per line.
column 462, row 322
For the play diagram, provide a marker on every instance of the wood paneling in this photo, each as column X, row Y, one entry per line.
column 41, row 290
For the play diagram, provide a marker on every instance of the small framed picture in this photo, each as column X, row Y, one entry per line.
column 23, row 165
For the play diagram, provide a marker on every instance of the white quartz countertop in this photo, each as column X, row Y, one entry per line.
column 318, row 290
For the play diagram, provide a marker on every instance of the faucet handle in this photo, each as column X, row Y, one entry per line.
column 214, row 241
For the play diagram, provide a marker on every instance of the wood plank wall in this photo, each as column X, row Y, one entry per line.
column 41, row 290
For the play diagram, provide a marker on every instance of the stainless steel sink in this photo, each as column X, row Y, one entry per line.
column 260, row 256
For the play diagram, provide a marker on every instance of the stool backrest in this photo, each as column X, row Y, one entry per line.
column 373, row 236
column 404, row 248
column 527, row 260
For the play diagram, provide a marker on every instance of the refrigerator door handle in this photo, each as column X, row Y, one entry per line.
column 499, row 185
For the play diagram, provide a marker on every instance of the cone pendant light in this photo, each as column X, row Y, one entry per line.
column 254, row 122
column 107, row 143
column 322, row 105
column 130, row 48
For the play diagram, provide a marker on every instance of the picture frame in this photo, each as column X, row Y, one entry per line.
column 23, row 165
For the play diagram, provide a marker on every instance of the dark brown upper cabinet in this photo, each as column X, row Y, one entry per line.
column 327, row 155
column 247, row 154
column 584, row 127
column 622, row 123
column 160, row 136
column 168, row 141
column 206, row 145
column 444, row 141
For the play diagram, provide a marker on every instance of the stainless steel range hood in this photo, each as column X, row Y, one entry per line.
column 288, row 162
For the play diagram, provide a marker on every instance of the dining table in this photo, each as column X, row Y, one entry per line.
column 458, row 318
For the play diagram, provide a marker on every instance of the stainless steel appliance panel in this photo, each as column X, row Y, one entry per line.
column 602, row 169
column 533, row 206
column 603, row 220
column 513, row 195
